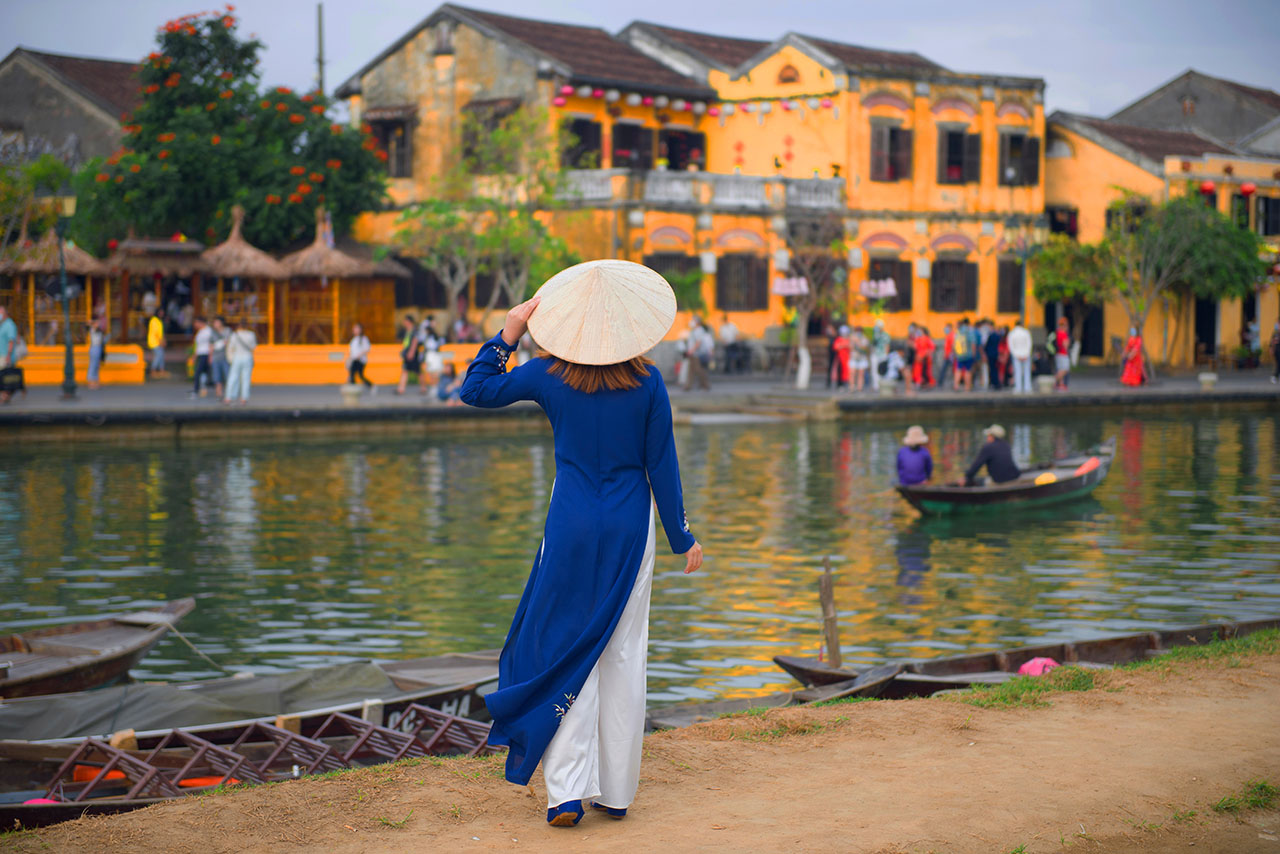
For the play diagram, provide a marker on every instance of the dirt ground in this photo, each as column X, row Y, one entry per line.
column 1132, row 766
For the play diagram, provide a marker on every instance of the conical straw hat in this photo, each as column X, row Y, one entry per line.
column 603, row 312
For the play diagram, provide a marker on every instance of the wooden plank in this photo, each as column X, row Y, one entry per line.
column 830, row 627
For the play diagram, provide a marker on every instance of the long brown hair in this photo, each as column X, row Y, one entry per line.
column 619, row 376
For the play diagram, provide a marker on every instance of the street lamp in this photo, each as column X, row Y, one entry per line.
column 1024, row 237
column 64, row 203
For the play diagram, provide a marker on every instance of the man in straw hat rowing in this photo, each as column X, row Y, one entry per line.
column 571, row 684
column 997, row 456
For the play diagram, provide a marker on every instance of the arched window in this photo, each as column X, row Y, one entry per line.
column 788, row 74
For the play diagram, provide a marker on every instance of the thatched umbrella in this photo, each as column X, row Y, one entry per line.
column 43, row 259
column 331, row 266
column 235, row 258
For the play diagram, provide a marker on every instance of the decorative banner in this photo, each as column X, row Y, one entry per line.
column 878, row 288
column 797, row 286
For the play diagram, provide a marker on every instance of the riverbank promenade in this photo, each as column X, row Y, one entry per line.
column 168, row 400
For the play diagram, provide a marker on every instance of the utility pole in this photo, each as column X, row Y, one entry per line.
column 320, row 48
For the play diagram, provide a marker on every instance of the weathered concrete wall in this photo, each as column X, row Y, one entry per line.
column 46, row 109
column 1217, row 110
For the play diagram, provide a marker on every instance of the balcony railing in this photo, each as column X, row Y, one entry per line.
column 739, row 191
column 814, row 192
column 589, row 185
column 671, row 188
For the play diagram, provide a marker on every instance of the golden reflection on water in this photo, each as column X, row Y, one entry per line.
column 302, row 554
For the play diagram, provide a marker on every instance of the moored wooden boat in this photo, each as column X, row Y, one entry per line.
column 922, row 678
column 1062, row 480
column 78, row 656
column 217, row 709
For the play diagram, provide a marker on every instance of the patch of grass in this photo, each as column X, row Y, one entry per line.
column 396, row 824
column 1266, row 642
column 753, row 712
column 1028, row 692
column 1256, row 795
column 786, row 728
column 1021, row 849
column 1183, row 816
column 1146, row 825
column 840, row 701
column 10, row 839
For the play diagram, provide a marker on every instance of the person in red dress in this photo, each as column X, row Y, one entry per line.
column 1134, row 371
column 840, row 357
column 924, row 358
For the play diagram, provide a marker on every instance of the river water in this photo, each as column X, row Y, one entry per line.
column 303, row 554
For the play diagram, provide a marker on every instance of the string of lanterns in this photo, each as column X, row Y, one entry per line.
column 681, row 105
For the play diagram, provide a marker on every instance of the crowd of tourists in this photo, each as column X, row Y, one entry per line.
column 967, row 356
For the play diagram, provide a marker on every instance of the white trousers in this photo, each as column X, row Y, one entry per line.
column 1022, row 375
column 595, row 753
column 875, row 372
column 238, row 379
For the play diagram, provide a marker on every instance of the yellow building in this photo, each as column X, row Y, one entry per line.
column 1092, row 163
column 695, row 150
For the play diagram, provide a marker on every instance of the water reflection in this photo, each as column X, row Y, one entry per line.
column 301, row 554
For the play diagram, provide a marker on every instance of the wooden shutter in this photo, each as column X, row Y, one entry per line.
column 644, row 148
column 1031, row 160
column 969, row 295
column 758, row 289
column 900, row 153
column 904, row 280
column 942, row 157
column 1009, row 286
column 1002, row 177
column 880, row 152
column 972, row 158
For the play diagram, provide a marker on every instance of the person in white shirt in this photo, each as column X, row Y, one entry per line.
column 1020, row 353
column 203, row 372
column 358, row 356
column 699, row 345
column 432, row 360
column 733, row 360
column 240, row 346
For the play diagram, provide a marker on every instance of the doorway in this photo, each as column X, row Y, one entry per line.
column 1206, row 328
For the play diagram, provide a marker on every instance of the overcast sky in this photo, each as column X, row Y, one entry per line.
column 1095, row 55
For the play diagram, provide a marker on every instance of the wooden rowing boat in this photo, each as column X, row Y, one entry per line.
column 78, row 656
column 1049, row 483
column 217, row 709
column 922, row 678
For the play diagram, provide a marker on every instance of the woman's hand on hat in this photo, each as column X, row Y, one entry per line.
column 693, row 559
column 518, row 321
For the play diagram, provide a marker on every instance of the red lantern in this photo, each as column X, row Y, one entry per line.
column 713, row 111
column 647, row 100
column 1207, row 187
column 826, row 103
column 597, row 93
column 559, row 100
column 112, row 244
column 1248, row 189
column 566, row 89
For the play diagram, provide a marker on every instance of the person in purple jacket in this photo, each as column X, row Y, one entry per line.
column 915, row 464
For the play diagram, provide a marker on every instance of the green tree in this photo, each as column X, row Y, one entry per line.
column 1176, row 250
column 205, row 138
column 20, row 212
column 486, row 209
column 1081, row 275
column 687, row 286
column 817, row 248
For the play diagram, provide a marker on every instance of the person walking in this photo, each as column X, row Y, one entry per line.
column 1134, row 373
column 924, row 348
column 97, row 353
column 410, row 353
column 1275, row 352
column 11, row 348
column 948, row 369
column 155, row 343
column 571, row 676
column 991, row 349
column 840, row 366
column 915, row 463
column 699, row 345
column 860, row 349
column 240, row 346
column 432, row 364
column 1020, row 355
column 879, row 351
column 1061, row 355
column 728, row 333
column 218, row 364
column 358, row 356
column 203, row 346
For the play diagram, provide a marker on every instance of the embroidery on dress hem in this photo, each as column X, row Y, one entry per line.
column 561, row 711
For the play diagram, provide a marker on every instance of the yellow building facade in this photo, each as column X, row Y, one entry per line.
column 696, row 151
column 1093, row 163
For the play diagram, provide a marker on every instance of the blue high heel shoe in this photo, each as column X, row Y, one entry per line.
column 567, row 814
column 613, row 812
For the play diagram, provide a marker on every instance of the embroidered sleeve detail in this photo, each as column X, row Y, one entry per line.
column 561, row 711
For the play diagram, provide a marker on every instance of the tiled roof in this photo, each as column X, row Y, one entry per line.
column 1266, row 96
column 722, row 49
column 113, row 83
column 874, row 59
column 591, row 53
column 1156, row 144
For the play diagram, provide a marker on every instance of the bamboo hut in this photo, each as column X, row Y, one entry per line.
column 154, row 274
column 42, row 313
column 329, row 290
column 246, row 281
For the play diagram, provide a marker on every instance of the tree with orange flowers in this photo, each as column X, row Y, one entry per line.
column 208, row 136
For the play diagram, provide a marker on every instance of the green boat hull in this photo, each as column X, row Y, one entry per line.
column 949, row 508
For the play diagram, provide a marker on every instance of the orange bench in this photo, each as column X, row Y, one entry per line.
column 124, row 364
column 322, row 364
